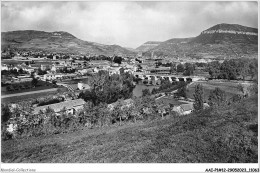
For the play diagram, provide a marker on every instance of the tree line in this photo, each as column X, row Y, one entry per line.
column 233, row 69
column 108, row 88
column 47, row 122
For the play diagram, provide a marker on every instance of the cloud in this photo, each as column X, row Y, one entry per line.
column 127, row 24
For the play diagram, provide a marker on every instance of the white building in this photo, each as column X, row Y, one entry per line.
column 186, row 109
column 4, row 67
column 82, row 86
column 71, row 106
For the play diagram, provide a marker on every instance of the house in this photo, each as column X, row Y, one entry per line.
column 51, row 76
column 44, row 67
column 161, row 70
column 56, row 67
column 83, row 86
column 71, row 106
column 4, row 67
column 85, row 71
column 126, row 103
column 26, row 68
column 185, row 109
column 114, row 70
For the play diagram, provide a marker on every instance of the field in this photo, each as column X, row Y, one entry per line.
column 228, row 86
column 26, row 97
column 16, row 62
column 209, row 137
column 41, row 85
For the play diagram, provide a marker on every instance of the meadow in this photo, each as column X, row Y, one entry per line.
column 230, row 87
column 27, row 97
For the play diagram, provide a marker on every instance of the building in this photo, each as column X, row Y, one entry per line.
column 126, row 103
column 44, row 67
column 186, row 109
column 26, row 68
column 4, row 67
column 52, row 76
column 71, row 106
column 114, row 70
column 83, row 86
column 160, row 70
column 56, row 67
column 85, row 71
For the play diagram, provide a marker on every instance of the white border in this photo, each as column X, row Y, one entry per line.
column 157, row 167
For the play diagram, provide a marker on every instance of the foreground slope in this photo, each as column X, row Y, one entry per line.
column 227, row 134
column 61, row 42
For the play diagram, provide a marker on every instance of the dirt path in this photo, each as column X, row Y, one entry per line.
column 26, row 93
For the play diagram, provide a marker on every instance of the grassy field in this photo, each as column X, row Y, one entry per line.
column 229, row 87
column 26, row 97
column 4, row 92
column 209, row 137
column 16, row 62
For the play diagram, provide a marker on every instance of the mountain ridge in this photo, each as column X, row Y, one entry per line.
column 219, row 41
column 57, row 41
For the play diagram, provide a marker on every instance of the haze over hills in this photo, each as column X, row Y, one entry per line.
column 219, row 41
column 148, row 45
column 61, row 42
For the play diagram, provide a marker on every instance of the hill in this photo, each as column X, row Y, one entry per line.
column 224, row 135
column 147, row 46
column 219, row 41
column 228, row 33
column 60, row 42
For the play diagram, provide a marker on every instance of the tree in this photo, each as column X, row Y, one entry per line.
column 41, row 72
column 189, row 69
column 198, row 96
column 229, row 70
column 253, row 68
column 146, row 92
column 182, row 92
column 20, row 71
column 180, row 68
column 104, row 117
column 217, row 97
column 118, row 59
column 243, row 68
column 214, row 69
column 173, row 68
column 34, row 82
column 117, row 111
column 5, row 113
column 54, row 82
column 88, row 112
column 241, row 88
column 121, row 70
column 136, row 108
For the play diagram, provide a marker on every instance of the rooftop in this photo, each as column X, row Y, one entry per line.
column 59, row 106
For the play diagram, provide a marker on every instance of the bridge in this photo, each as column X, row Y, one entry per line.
column 171, row 78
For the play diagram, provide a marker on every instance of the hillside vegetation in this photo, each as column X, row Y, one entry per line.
column 219, row 41
column 225, row 134
column 61, row 42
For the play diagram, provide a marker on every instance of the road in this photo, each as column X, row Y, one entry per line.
column 26, row 93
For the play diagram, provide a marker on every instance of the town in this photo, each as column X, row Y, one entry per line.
column 66, row 82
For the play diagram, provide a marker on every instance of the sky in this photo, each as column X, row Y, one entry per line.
column 127, row 23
